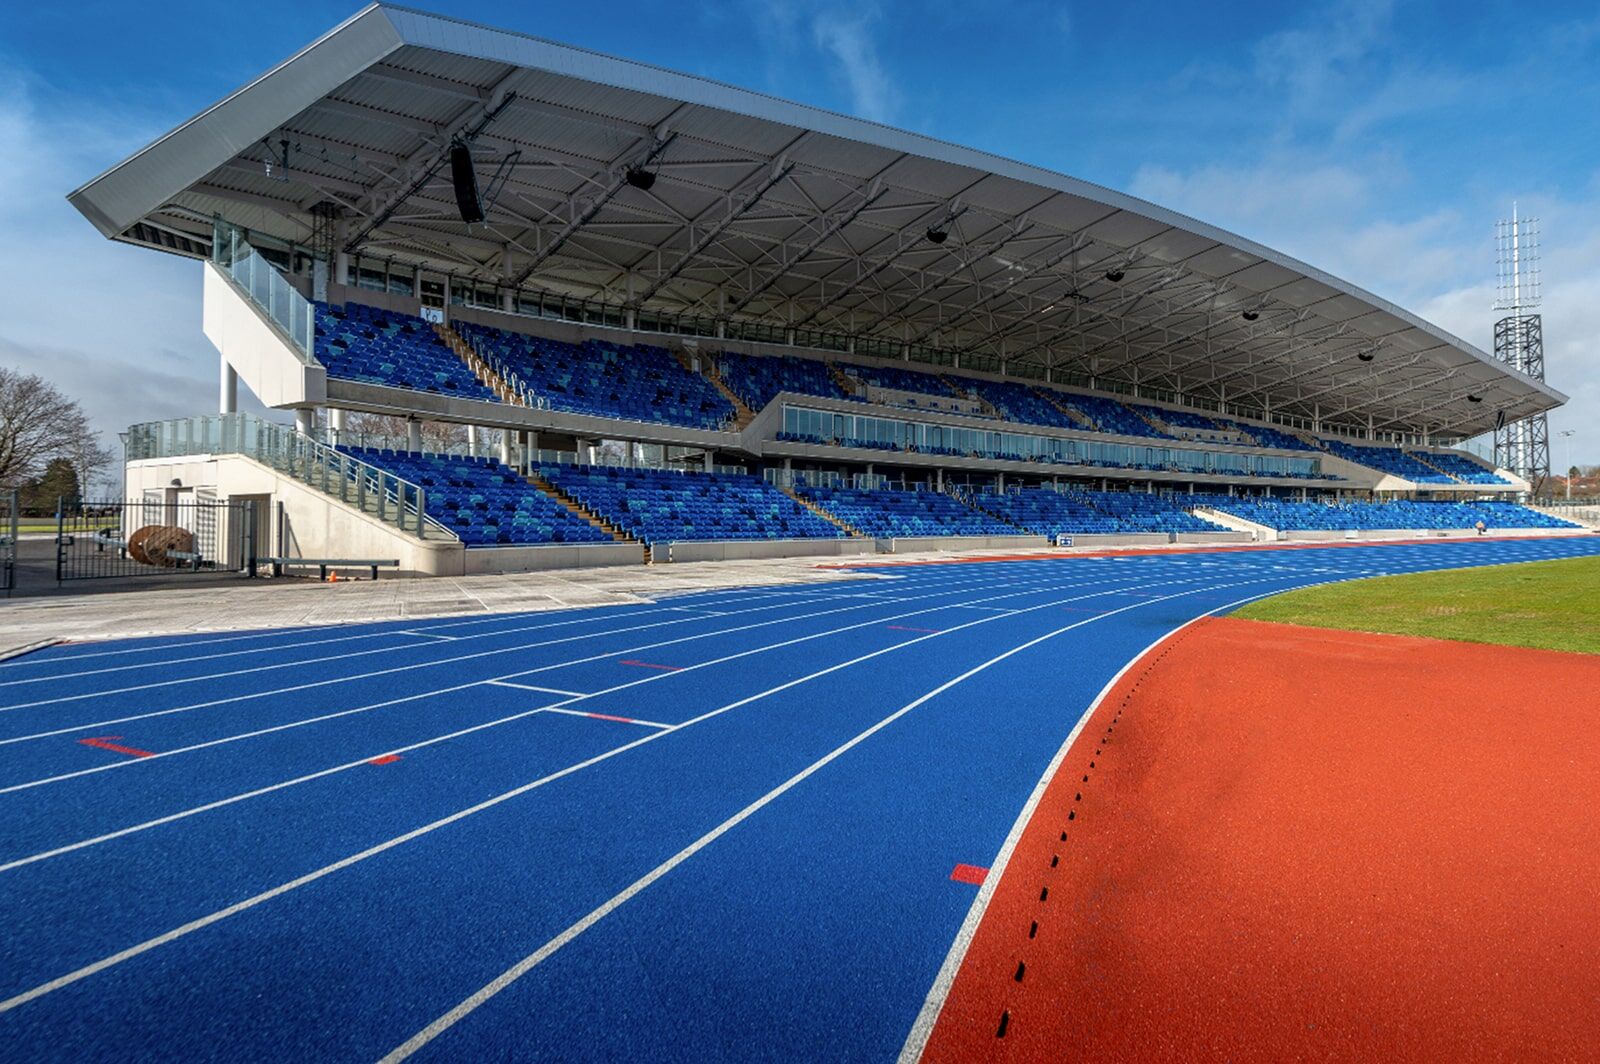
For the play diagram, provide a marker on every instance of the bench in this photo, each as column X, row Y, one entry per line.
column 324, row 564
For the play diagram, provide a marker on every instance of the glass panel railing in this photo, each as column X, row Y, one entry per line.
column 374, row 491
column 268, row 289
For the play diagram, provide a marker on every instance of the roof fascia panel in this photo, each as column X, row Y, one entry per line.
column 144, row 181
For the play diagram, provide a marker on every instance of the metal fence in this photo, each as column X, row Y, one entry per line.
column 8, row 541
column 153, row 536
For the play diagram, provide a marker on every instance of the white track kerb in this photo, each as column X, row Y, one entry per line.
column 923, row 1026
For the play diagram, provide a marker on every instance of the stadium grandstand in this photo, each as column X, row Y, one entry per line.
column 682, row 320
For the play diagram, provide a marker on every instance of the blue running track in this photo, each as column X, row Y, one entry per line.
column 720, row 827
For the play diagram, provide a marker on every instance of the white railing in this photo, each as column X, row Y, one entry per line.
column 374, row 491
column 259, row 280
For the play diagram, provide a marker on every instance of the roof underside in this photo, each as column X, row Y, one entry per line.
column 772, row 212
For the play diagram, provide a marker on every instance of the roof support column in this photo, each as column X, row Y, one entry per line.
column 228, row 388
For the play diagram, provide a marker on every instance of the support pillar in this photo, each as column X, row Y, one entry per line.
column 413, row 435
column 710, row 460
column 228, row 390
column 336, row 426
column 505, row 446
column 305, row 420
column 472, row 440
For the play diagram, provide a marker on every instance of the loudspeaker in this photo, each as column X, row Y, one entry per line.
column 465, row 180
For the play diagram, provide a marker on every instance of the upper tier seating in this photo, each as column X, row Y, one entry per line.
column 758, row 380
column 1018, row 402
column 483, row 502
column 598, row 377
column 658, row 505
column 1387, row 460
column 904, row 380
column 1112, row 416
column 1048, row 512
column 1176, row 418
column 1268, row 436
column 1463, row 469
column 361, row 343
column 886, row 513
column 1396, row 514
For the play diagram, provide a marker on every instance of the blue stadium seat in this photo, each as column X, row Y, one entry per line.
column 361, row 343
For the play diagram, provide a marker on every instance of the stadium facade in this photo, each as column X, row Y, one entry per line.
column 680, row 320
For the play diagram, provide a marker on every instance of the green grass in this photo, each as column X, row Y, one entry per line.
column 1551, row 605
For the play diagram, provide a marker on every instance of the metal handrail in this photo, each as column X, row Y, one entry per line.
column 371, row 489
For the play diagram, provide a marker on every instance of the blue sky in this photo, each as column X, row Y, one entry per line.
column 1379, row 141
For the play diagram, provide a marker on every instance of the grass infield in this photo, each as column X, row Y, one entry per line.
column 1552, row 605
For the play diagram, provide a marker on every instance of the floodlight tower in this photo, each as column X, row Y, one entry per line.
column 1521, row 446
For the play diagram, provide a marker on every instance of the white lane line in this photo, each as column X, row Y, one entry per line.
column 541, row 690
column 543, row 953
column 922, row 1027
column 605, row 716
column 426, row 694
column 358, row 654
column 414, row 665
column 372, row 851
column 430, row 635
column 366, row 758
column 381, row 650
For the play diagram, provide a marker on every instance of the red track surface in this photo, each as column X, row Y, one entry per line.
column 1305, row 844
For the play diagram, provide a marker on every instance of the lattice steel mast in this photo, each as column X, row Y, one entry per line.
column 1521, row 446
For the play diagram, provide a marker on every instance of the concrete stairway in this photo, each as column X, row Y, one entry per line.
column 1424, row 460
column 578, row 508
column 743, row 415
column 841, row 379
column 485, row 373
column 850, row 530
column 1071, row 411
column 1155, row 423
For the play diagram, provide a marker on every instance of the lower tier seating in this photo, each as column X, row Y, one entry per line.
column 660, row 506
column 1048, row 512
column 1392, row 514
column 484, row 502
column 887, row 513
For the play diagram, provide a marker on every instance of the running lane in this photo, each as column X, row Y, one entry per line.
column 769, row 874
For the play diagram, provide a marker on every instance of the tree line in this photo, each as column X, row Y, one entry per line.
column 48, row 450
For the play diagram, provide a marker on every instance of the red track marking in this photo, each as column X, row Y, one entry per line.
column 103, row 742
column 650, row 665
column 386, row 759
column 1350, row 847
column 909, row 628
column 966, row 873
column 608, row 716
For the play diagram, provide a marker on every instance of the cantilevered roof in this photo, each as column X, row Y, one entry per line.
column 769, row 211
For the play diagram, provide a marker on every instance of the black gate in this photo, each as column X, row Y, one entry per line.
column 164, row 534
column 8, row 541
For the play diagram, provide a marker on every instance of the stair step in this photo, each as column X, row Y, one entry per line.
column 578, row 508
column 825, row 515
column 1071, row 411
column 475, row 362
column 743, row 415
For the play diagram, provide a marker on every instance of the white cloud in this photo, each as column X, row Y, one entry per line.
column 850, row 43
column 115, row 327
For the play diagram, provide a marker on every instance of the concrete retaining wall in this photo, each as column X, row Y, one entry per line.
column 525, row 559
column 744, row 549
column 912, row 544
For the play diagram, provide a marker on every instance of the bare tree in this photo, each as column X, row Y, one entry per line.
column 437, row 435
column 91, row 460
column 37, row 422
